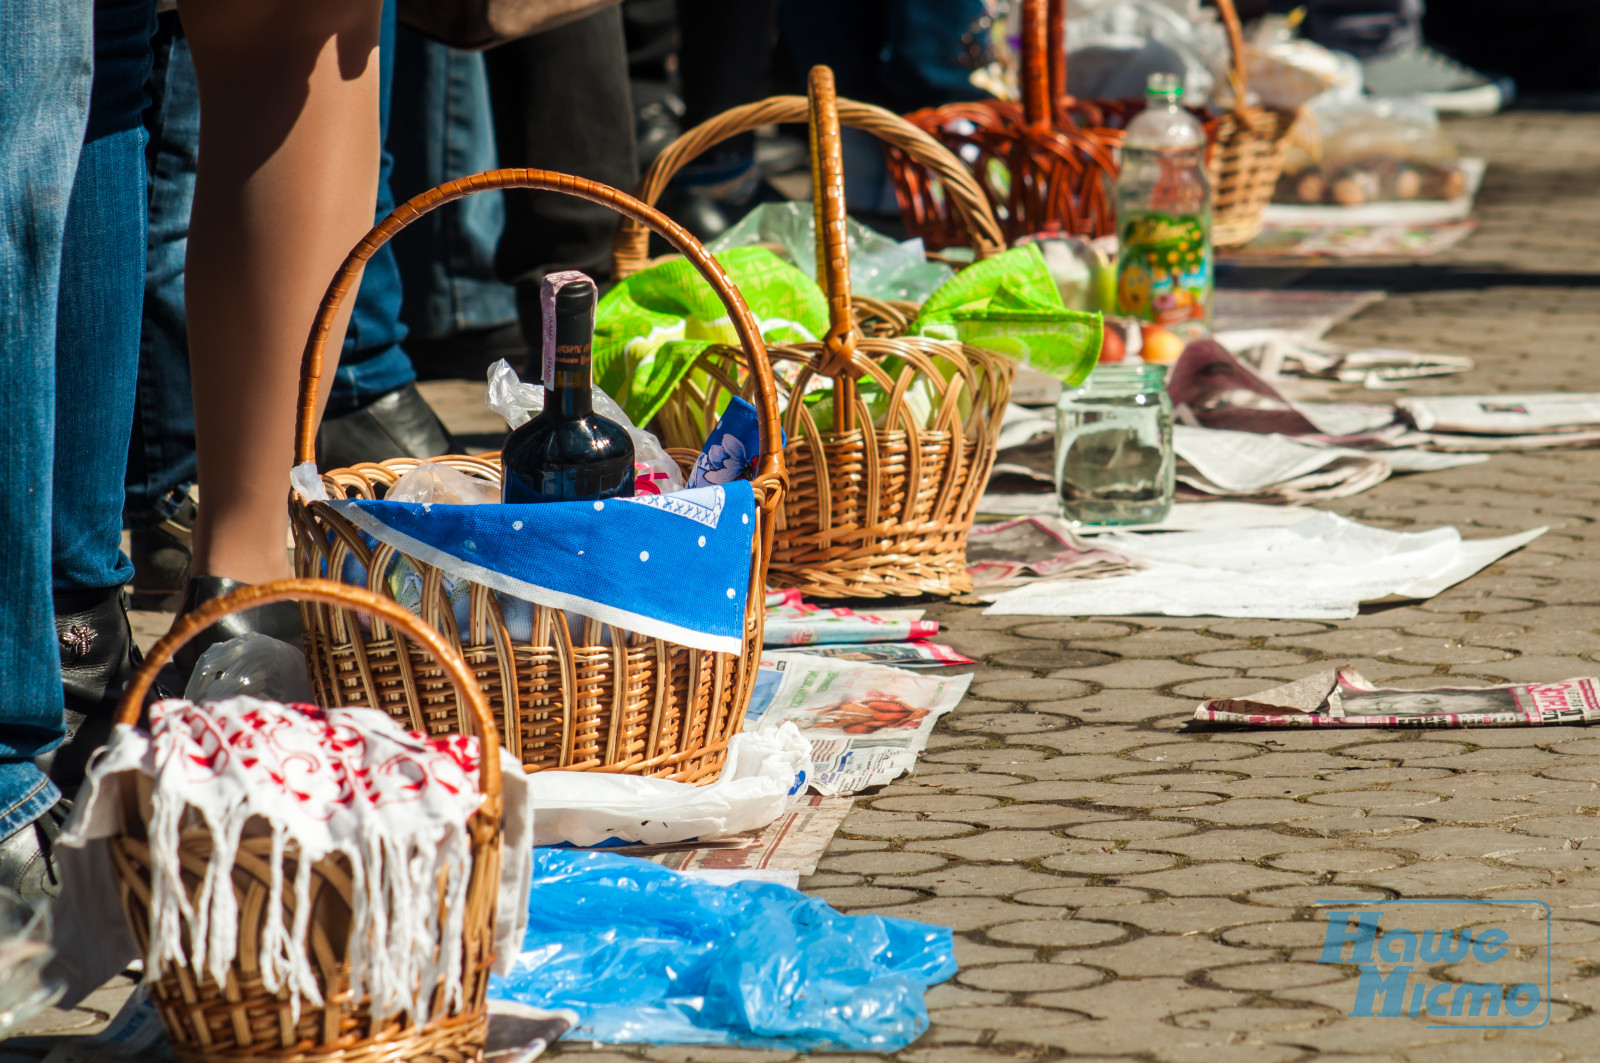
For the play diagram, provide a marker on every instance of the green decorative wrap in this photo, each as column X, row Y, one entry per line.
column 1010, row 304
column 651, row 326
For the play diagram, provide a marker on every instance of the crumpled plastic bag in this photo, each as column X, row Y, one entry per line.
column 1010, row 304
column 1113, row 46
column 254, row 664
column 656, row 473
column 432, row 483
column 646, row 955
column 590, row 808
column 880, row 268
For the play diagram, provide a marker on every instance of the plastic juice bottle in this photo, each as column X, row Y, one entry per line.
column 1164, row 264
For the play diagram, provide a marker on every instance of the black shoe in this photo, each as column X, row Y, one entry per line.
column 399, row 425
column 160, row 558
column 468, row 354
column 279, row 620
column 98, row 657
column 27, row 864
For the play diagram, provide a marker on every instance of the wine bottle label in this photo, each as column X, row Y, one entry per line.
column 559, row 356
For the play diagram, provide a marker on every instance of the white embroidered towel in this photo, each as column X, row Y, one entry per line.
column 348, row 781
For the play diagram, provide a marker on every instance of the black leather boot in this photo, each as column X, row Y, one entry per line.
column 401, row 424
column 98, row 657
column 279, row 620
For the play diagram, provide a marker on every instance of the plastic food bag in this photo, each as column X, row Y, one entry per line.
column 432, row 483
column 253, row 664
column 590, row 808
column 655, row 473
column 880, row 268
column 644, row 954
column 1370, row 150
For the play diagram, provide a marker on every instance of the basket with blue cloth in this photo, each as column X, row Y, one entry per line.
column 621, row 636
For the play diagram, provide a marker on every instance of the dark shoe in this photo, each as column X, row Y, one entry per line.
column 27, row 867
column 279, row 620
column 98, row 657
column 160, row 558
column 399, row 425
column 468, row 354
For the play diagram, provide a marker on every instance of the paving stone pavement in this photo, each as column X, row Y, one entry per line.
column 1122, row 887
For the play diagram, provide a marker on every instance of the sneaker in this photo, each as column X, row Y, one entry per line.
column 1451, row 87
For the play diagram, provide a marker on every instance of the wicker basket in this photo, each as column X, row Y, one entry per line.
column 870, row 512
column 1048, row 163
column 612, row 700
column 211, row 1023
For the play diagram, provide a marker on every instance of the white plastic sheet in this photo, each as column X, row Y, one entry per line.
column 589, row 808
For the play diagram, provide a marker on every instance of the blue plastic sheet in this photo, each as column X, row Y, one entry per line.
column 644, row 954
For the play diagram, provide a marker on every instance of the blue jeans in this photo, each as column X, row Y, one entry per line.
column 447, row 258
column 71, row 258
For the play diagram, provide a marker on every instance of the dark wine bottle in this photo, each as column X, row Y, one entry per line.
column 568, row 453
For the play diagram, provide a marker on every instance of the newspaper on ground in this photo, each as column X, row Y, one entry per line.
column 1271, row 468
column 788, row 848
column 1280, row 354
column 866, row 723
column 1321, row 568
column 1029, row 549
column 802, row 624
column 1344, row 698
column 1504, row 415
column 1357, row 241
column 900, row 654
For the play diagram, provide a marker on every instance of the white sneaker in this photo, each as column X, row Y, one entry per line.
column 1451, row 87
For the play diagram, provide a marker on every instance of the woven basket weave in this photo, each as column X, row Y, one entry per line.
column 241, row 1020
column 610, row 700
column 1049, row 163
column 872, row 510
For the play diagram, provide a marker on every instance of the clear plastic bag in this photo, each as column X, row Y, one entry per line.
column 646, row 955
column 1370, row 150
column 880, row 268
column 253, row 664
column 656, row 472
column 432, row 483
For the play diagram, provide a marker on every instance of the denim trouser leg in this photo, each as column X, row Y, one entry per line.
column 161, row 462
column 70, row 262
column 373, row 363
column 447, row 258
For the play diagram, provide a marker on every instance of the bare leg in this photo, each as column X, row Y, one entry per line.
column 288, row 173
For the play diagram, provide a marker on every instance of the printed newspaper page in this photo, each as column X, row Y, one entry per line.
column 866, row 723
column 1346, row 699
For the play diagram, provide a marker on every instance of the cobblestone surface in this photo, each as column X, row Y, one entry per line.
column 1123, row 888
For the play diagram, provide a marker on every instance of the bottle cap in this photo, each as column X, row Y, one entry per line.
column 1164, row 87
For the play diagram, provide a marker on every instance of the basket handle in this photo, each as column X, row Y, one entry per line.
column 833, row 242
column 640, row 214
column 1043, row 43
column 1236, row 72
column 630, row 251
column 328, row 593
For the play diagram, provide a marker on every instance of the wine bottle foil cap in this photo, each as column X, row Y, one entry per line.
column 565, row 288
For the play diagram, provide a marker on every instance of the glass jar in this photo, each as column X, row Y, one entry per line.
column 1114, row 460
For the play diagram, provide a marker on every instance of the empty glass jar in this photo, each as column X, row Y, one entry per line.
column 1114, row 461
